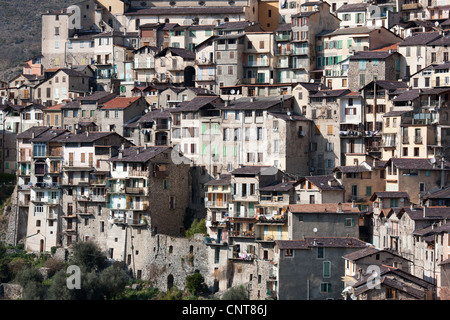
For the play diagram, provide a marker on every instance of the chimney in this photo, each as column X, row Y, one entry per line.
column 120, row 154
column 339, row 210
column 411, row 206
column 315, row 242
column 424, row 211
column 353, row 204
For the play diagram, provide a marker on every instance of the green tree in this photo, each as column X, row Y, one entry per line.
column 198, row 226
column 195, row 283
column 236, row 293
column 30, row 279
column 58, row 289
column 113, row 280
column 88, row 256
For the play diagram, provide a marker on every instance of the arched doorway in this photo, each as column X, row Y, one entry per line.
column 189, row 77
column 169, row 282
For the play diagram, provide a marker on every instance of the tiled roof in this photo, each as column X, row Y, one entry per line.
column 396, row 113
column 431, row 213
column 85, row 136
column 119, row 102
column 420, row 38
column 48, row 135
column 412, row 163
column 97, row 96
column 225, row 179
column 154, row 114
column 139, row 154
column 442, row 41
column 197, row 103
column 284, row 27
column 282, row 187
column 184, row 53
column 258, row 103
column 407, row 95
column 353, row 7
column 186, row 11
column 322, row 182
column 284, row 116
column 329, row 93
column 371, row 55
column 327, row 242
column 389, row 195
column 254, row 170
column 388, row 85
column 322, row 208
column 353, row 169
column 356, row 255
column 36, row 130
column 439, row 194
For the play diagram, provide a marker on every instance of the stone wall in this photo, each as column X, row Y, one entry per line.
column 10, row 291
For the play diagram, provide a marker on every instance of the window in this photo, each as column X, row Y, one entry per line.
column 259, row 133
column 171, row 202
column 325, row 287
column 320, row 252
column 391, row 293
column 349, row 222
column 326, row 269
column 368, row 191
column 288, row 252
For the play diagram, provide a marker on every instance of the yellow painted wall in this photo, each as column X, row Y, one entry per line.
column 269, row 22
column 117, row 6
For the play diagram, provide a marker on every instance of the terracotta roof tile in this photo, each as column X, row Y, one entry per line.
column 322, row 208
column 120, row 102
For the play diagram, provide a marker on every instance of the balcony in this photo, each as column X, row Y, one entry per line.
column 216, row 204
column 137, row 206
column 242, row 234
column 78, row 165
column 283, row 52
column 51, row 201
column 204, row 62
column 85, row 212
column 250, row 198
column 134, row 190
column 256, row 64
column 144, row 65
column 138, row 173
column 411, row 6
column 350, row 134
column 98, row 198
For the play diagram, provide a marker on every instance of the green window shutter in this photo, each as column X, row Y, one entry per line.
column 349, row 43
column 340, row 44
column 203, row 149
column 326, row 269
column 234, row 151
column 224, row 151
column 203, row 128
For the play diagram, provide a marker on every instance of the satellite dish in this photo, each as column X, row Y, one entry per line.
column 232, row 91
column 433, row 160
column 436, row 23
column 315, row 230
column 279, row 45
